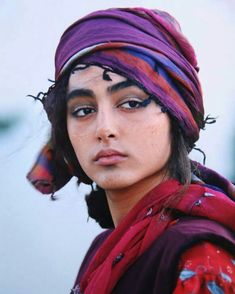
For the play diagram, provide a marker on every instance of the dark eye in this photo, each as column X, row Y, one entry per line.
column 130, row 104
column 83, row 111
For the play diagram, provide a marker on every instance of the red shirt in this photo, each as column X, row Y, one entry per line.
column 206, row 269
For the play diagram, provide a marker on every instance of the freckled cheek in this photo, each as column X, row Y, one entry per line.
column 72, row 132
column 155, row 137
column 79, row 140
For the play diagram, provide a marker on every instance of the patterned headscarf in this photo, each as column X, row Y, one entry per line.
column 144, row 45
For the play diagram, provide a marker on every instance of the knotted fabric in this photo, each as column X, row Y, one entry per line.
column 143, row 224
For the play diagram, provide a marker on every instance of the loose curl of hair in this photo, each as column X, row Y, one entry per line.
column 55, row 104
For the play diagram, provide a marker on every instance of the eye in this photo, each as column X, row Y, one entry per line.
column 135, row 103
column 83, row 111
column 131, row 104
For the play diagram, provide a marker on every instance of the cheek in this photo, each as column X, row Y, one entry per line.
column 77, row 138
column 154, row 140
column 80, row 146
column 71, row 132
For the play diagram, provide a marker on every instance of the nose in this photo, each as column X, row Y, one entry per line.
column 106, row 127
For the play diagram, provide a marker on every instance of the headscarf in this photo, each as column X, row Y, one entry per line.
column 144, row 45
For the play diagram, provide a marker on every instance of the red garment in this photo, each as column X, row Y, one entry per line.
column 205, row 269
column 143, row 225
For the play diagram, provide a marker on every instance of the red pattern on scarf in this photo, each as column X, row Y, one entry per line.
column 204, row 267
column 143, row 224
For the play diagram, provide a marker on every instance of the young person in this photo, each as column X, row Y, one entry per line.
column 126, row 109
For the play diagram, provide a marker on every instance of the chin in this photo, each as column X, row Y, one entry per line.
column 112, row 185
column 113, row 182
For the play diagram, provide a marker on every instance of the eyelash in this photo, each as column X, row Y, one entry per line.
column 137, row 104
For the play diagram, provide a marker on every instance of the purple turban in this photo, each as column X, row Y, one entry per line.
column 146, row 46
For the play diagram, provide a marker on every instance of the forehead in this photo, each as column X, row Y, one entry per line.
column 83, row 76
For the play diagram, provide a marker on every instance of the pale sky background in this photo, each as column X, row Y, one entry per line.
column 43, row 242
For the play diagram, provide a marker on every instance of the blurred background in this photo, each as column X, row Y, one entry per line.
column 43, row 242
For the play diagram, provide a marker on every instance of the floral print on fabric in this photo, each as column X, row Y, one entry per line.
column 206, row 269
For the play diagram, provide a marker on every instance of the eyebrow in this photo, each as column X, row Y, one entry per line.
column 121, row 85
column 82, row 92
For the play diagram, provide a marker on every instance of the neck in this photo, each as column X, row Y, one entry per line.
column 121, row 201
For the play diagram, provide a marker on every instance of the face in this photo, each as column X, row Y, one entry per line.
column 119, row 136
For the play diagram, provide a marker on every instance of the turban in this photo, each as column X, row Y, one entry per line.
column 144, row 45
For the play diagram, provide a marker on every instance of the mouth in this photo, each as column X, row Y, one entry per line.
column 109, row 157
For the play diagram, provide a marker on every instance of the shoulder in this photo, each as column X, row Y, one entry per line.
column 99, row 239
column 159, row 264
column 182, row 235
column 191, row 230
column 96, row 243
column 206, row 268
column 187, row 232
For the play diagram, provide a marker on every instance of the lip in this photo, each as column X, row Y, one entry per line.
column 109, row 157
